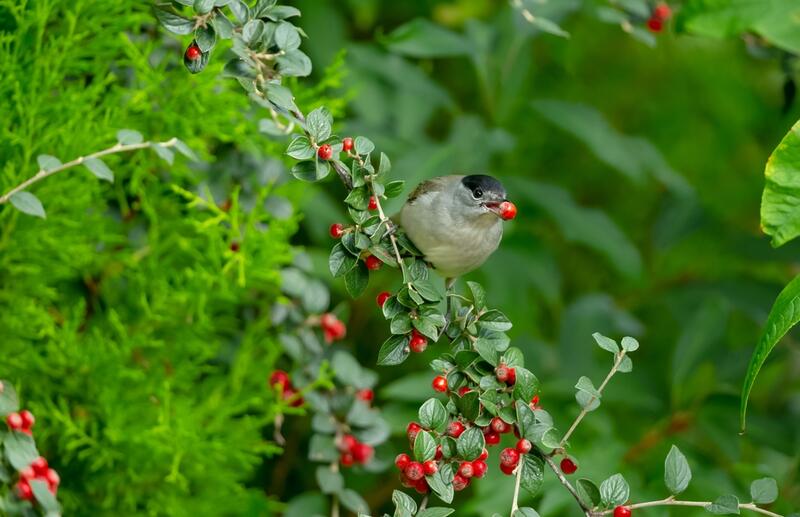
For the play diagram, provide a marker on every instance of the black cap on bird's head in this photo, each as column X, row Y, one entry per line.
column 486, row 192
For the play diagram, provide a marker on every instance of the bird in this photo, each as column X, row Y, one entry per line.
column 456, row 221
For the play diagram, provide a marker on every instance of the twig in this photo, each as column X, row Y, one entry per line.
column 423, row 503
column 116, row 148
column 584, row 411
column 564, row 481
column 515, row 500
column 669, row 501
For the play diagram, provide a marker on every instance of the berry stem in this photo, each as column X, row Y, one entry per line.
column 116, row 148
column 564, row 481
column 584, row 411
column 423, row 503
column 671, row 501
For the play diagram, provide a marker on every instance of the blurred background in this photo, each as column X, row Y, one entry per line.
column 636, row 162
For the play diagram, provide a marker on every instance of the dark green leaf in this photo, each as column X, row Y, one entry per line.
column 393, row 351
column 340, row 261
column 28, row 203
column 468, row 405
column 424, row 446
column 677, row 473
column 174, row 23
column 526, row 386
column 203, row 6
column 487, row 350
column 614, row 491
column 588, row 492
column 286, row 37
column 358, row 198
column 206, row 38
column 433, row 415
column 356, row 280
column 319, row 123
column 223, row 26
column 240, row 10
column 532, row 473
column 300, row 148
column 404, row 502
column 443, row 488
column 525, row 418
column 294, row 63
column 471, row 443
column 478, row 295
column 281, row 97
column 252, row 31
column 394, row 188
column 494, row 320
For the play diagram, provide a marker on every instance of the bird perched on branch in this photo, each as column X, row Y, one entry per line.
column 457, row 221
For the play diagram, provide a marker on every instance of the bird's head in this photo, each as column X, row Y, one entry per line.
column 481, row 195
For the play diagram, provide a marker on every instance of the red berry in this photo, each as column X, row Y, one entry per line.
column 362, row 453
column 24, row 491
column 347, row 144
column 382, row 297
column 622, row 511
column 193, row 52
column 430, row 467
column 509, row 456
column 53, row 479
column 366, row 395
column 484, row 455
column 505, row 374
column 439, row 384
column 465, row 469
column 346, row 459
column 373, row 263
column 27, row 419
column 524, row 446
column 507, row 469
column 347, row 443
column 418, row 343
column 325, row 152
column 373, row 203
column 655, row 25
column 479, row 468
column 27, row 474
column 534, row 402
column 336, row 230
column 402, row 460
column 460, row 483
column 279, row 377
column 406, row 482
column 421, row 486
column 568, row 466
column 491, row 438
column 235, row 247
column 662, row 11
column 499, row 425
column 463, row 390
column 455, row 428
column 508, row 210
column 414, row 471
column 439, row 454
column 39, row 466
column 14, row 421
column 412, row 430
column 289, row 393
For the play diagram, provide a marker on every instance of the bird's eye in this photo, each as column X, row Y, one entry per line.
column 477, row 193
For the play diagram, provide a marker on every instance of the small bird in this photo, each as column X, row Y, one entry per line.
column 457, row 221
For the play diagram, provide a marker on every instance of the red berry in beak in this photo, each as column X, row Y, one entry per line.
column 508, row 210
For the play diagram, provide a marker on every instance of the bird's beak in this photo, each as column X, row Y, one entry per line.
column 494, row 207
column 505, row 209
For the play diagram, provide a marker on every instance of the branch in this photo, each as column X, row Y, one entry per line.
column 515, row 501
column 564, row 481
column 584, row 411
column 116, row 148
column 669, row 501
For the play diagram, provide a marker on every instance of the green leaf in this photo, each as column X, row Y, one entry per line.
column 322, row 448
column 585, row 384
column 780, row 202
column 393, row 351
column 526, row 386
column 435, row 511
column 351, row 500
column 358, row 198
column 203, row 6
column 614, row 491
column 9, row 401
column 424, row 446
column 426, row 327
column 20, row 449
column 28, row 203
column 588, row 492
column 677, row 473
column 319, row 123
column 174, row 23
column 468, row 405
column 525, row 418
column 404, row 502
column 471, row 443
column 305, row 171
column 433, row 415
column 240, row 10
column 724, row 505
column 286, row 37
column 423, row 38
column 206, row 38
column 340, row 261
column 487, row 351
column 98, row 167
column 281, row 97
column 426, row 289
column 494, row 320
column 478, row 295
column 129, row 137
column 548, row 26
column 47, row 162
column 606, row 343
column 363, row 145
column 330, row 481
column 629, row 344
column 356, row 280
column 45, row 498
column 223, row 26
column 626, row 365
column 784, row 315
column 164, row 153
column 401, row 324
column 587, row 401
column 525, row 512
column 294, row 63
column 300, row 148
column 393, row 188
column 532, row 473
column 764, row 491
column 184, row 149
column 441, row 487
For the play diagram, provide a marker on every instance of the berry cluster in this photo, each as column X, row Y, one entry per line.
column 351, row 451
column 37, row 470
column 332, row 327
column 22, row 422
column 660, row 14
column 338, row 230
column 280, row 379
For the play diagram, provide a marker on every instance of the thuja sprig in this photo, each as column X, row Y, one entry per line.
column 127, row 140
column 35, row 484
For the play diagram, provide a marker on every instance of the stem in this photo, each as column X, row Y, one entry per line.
column 423, row 503
column 515, row 500
column 116, row 148
column 334, row 506
column 670, row 501
column 564, row 481
column 584, row 411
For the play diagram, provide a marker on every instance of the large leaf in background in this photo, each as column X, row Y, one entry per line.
column 587, row 226
column 784, row 315
column 634, row 157
column 778, row 21
column 423, row 38
column 780, row 203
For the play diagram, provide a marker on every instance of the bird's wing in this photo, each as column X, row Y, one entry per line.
column 429, row 186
